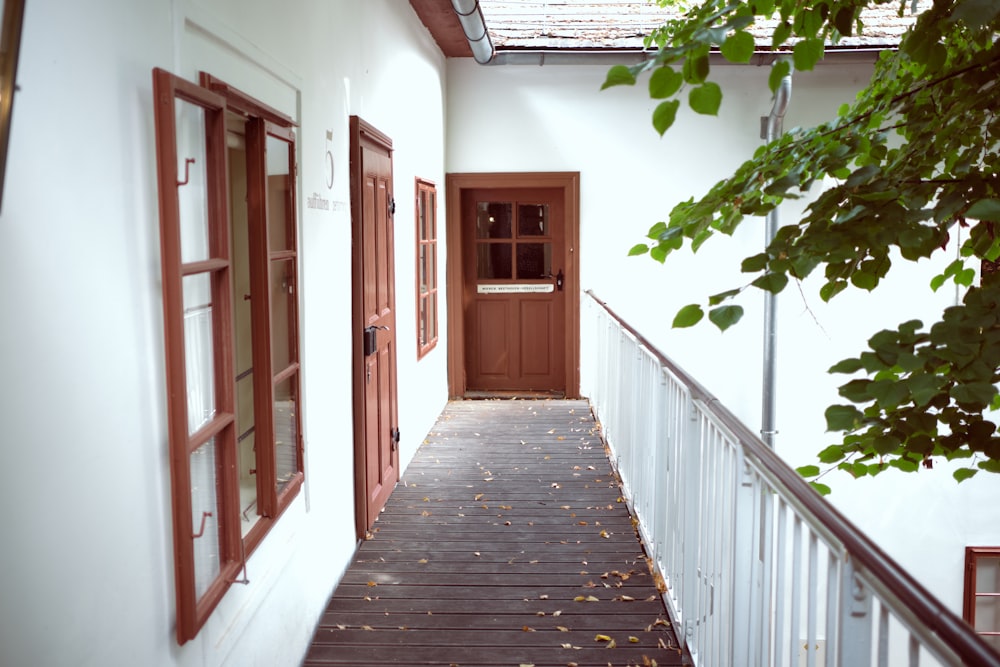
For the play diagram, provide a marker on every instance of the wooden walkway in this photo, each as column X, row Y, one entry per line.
column 506, row 543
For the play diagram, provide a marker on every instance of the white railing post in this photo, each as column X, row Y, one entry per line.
column 691, row 520
column 744, row 554
column 855, row 619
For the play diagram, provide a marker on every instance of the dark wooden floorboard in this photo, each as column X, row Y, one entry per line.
column 507, row 543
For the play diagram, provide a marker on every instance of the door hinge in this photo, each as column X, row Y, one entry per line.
column 392, row 205
column 395, row 438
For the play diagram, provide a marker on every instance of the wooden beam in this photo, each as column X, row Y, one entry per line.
column 440, row 19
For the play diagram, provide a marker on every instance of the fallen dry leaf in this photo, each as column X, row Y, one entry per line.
column 562, row 628
column 527, row 629
column 602, row 638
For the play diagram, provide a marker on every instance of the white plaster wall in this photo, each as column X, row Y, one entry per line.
column 86, row 566
column 531, row 118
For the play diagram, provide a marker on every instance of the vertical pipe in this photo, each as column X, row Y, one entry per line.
column 771, row 130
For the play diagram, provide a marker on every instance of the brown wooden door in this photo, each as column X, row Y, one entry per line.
column 514, row 289
column 376, row 430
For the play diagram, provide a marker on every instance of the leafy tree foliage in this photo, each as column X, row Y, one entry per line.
column 913, row 158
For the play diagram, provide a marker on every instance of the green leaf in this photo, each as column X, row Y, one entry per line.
column 753, row 264
column 976, row 13
column 831, row 454
column 843, row 20
column 963, row 474
column 664, row 82
column 664, row 115
column 807, row 53
column 738, row 47
column 843, row 418
column 706, row 98
column 619, row 75
column 696, row 68
column 725, row 316
column 974, row 393
column 985, row 209
column 688, row 316
column 821, row 489
column 808, row 471
column 716, row 299
column 638, row 249
column 779, row 71
column 885, row 444
column 771, row 282
column 781, row 34
column 846, row 366
column 832, row 289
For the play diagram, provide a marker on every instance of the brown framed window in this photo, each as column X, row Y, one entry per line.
column 226, row 173
column 981, row 602
column 427, row 287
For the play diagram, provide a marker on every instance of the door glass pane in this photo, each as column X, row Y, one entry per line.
column 286, row 462
column 282, row 314
column 246, row 451
column 279, row 194
column 422, row 319
column 205, row 516
column 533, row 220
column 199, row 358
column 534, row 260
column 494, row 261
column 493, row 220
column 192, row 196
column 433, row 316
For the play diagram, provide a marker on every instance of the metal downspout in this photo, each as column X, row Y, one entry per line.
column 771, row 129
column 470, row 15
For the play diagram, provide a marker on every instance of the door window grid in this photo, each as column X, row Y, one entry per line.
column 427, row 286
column 509, row 248
column 227, row 487
column 981, row 603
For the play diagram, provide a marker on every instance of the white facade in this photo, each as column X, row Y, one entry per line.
column 86, row 566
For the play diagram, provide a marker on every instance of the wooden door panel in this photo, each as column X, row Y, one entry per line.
column 493, row 340
column 536, row 336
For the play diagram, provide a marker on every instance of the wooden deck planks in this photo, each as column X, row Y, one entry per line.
column 506, row 543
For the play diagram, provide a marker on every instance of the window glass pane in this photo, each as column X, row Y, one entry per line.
column 192, row 196
column 422, row 267
column 282, row 314
column 279, row 194
column 246, row 451
column 533, row 220
column 422, row 215
column 988, row 574
column 433, row 316
column 199, row 358
column 494, row 260
column 432, row 265
column 988, row 613
column 422, row 318
column 534, row 260
column 493, row 220
column 285, row 432
column 205, row 516
column 432, row 216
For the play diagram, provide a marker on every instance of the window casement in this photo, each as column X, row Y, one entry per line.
column 981, row 602
column 226, row 174
column 427, row 287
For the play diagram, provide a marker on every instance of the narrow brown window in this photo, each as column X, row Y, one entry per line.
column 427, row 287
column 981, row 602
column 226, row 172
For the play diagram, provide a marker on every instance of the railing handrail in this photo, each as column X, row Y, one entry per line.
column 887, row 576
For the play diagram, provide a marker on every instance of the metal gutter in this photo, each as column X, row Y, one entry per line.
column 771, row 129
column 470, row 15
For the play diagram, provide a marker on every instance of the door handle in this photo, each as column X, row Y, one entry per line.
column 559, row 280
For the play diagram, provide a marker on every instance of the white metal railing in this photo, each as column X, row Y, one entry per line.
column 758, row 568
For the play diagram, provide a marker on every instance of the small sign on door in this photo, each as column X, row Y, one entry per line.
column 530, row 288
